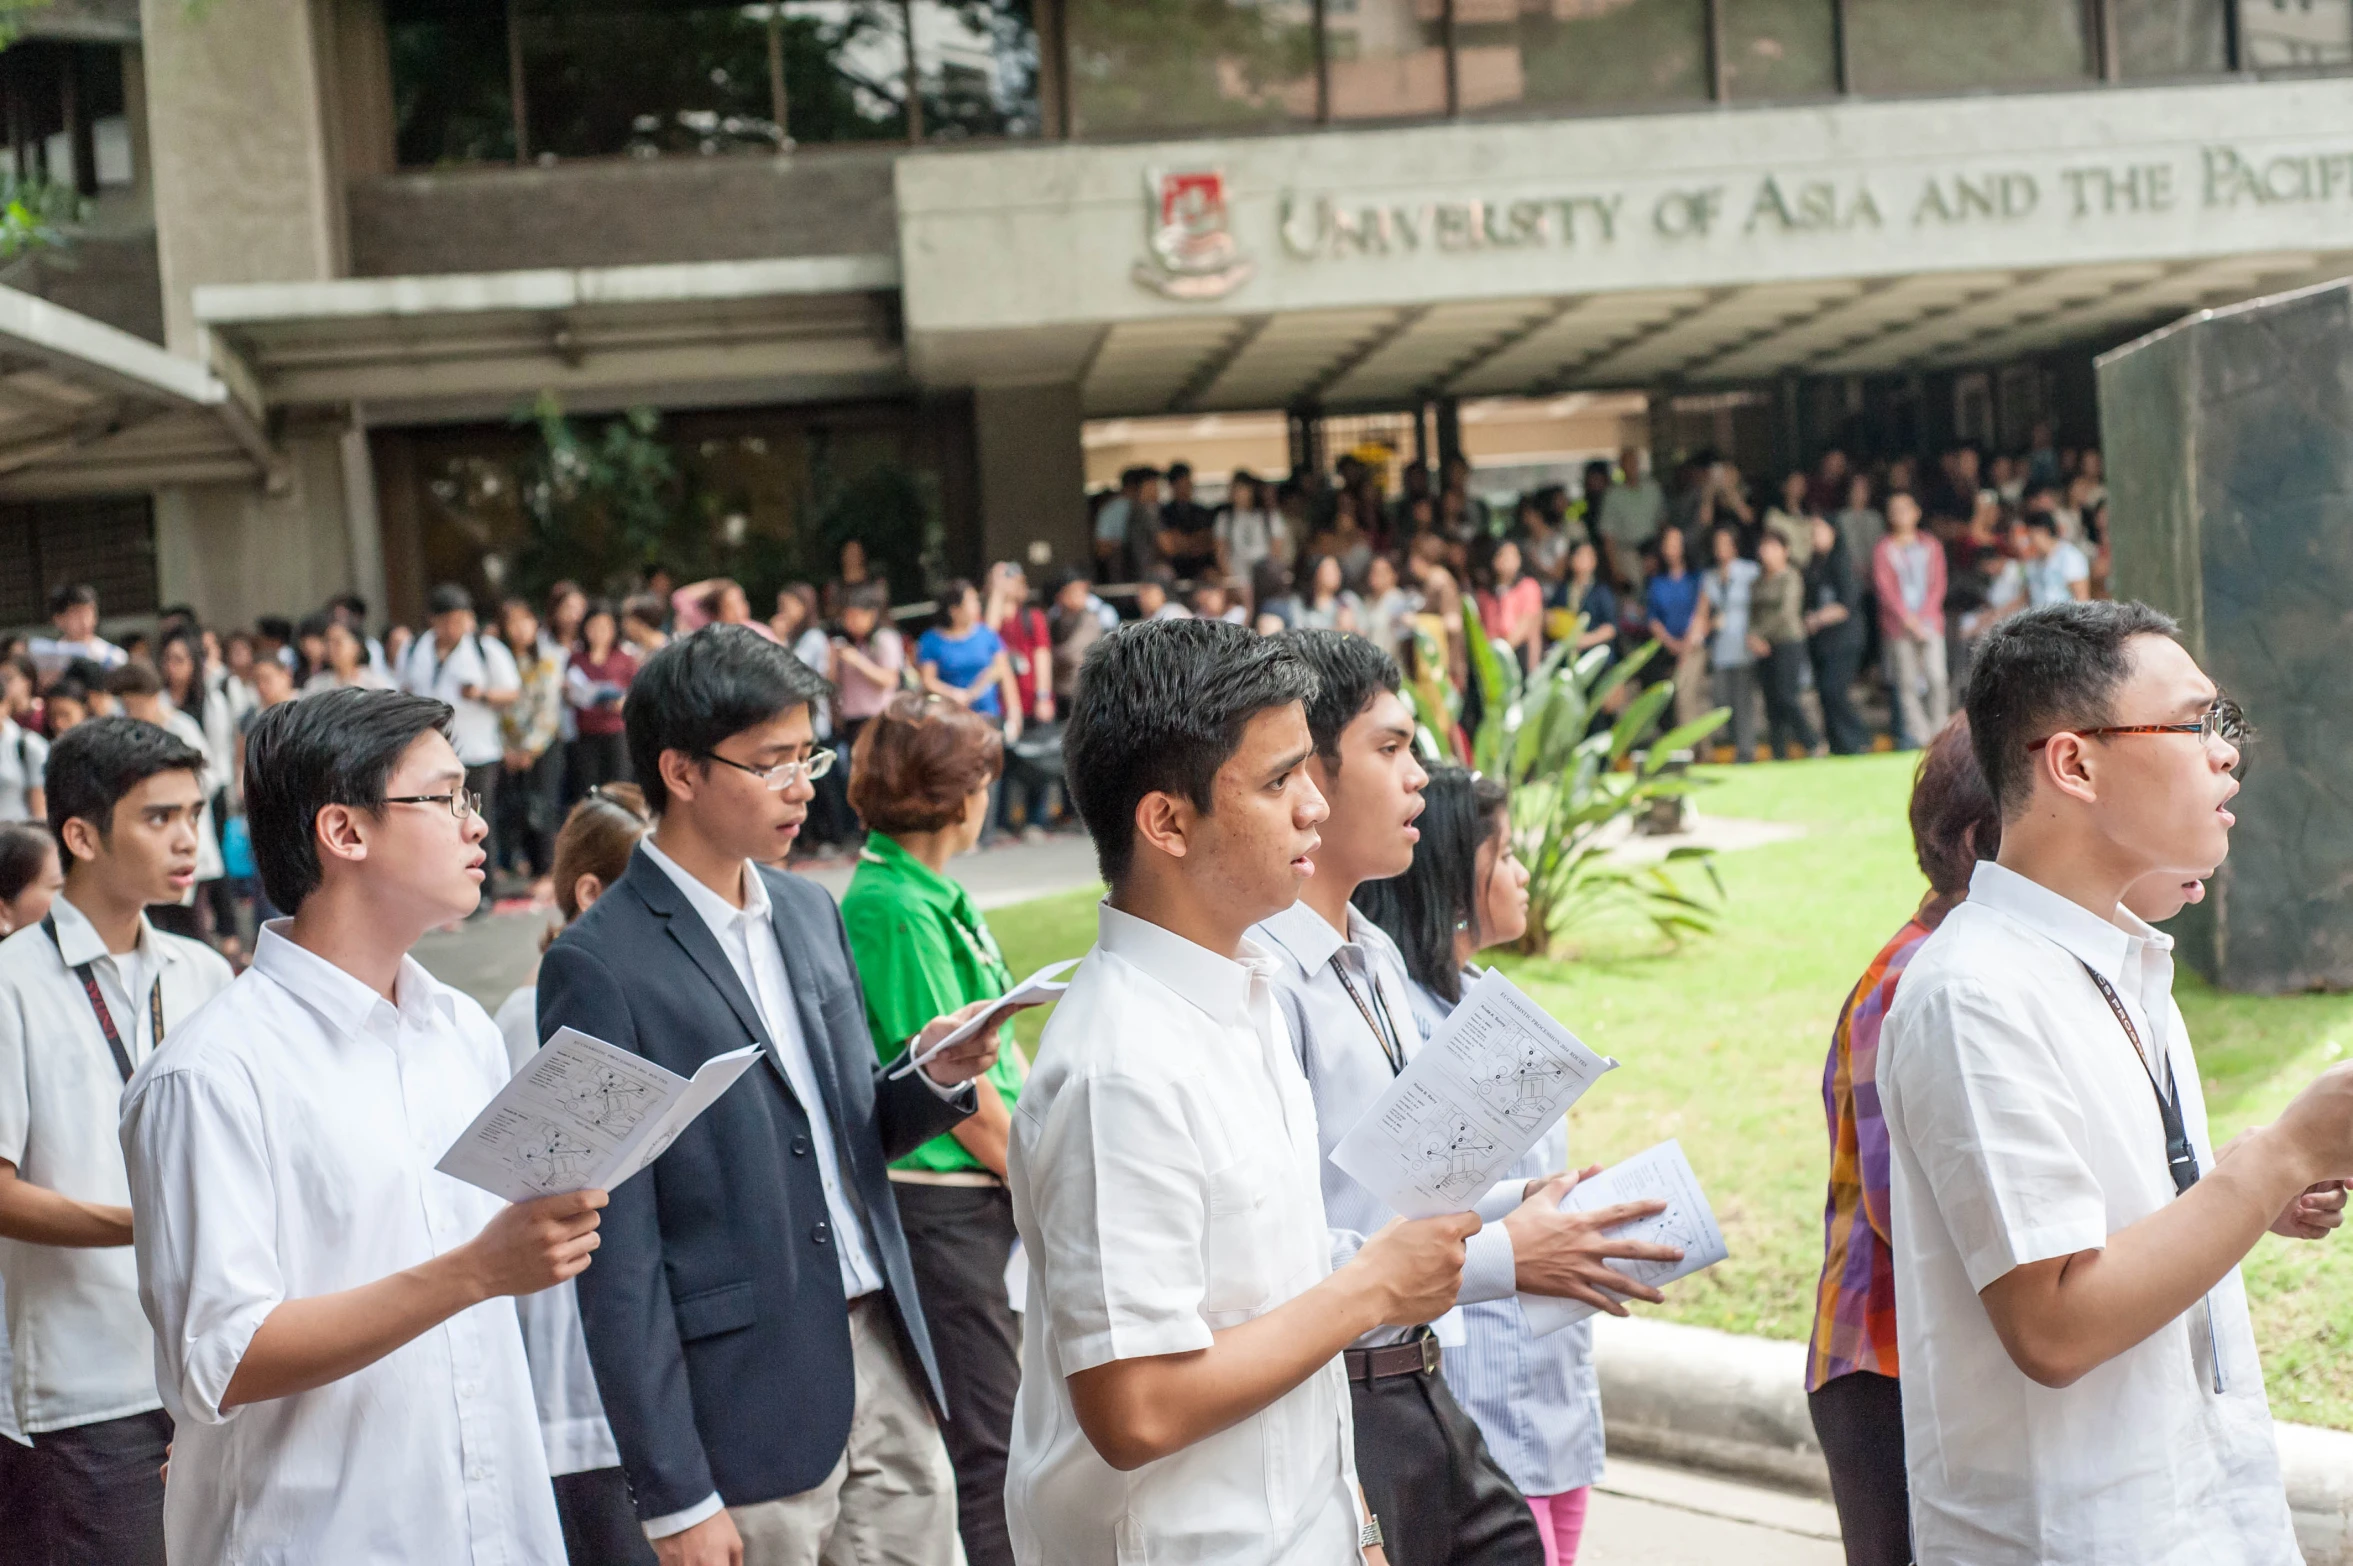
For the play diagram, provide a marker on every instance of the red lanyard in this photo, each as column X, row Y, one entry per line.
column 86, row 972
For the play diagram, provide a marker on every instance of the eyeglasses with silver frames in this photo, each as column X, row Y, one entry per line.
column 783, row 774
column 460, row 803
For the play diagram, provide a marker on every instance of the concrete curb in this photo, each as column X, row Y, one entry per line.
column 1736, row 1405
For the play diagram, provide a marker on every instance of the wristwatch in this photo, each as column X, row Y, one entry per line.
column 1370, row 1534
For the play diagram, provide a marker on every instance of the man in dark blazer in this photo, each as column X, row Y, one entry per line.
column 753, row 1322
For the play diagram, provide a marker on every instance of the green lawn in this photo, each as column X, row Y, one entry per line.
column 1722, row 1043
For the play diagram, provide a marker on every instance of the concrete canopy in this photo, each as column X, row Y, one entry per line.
column 471, row 346
column 86, row 408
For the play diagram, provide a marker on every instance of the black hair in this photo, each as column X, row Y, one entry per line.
column 694, row 693
column 1161, row 706
column 2042, row 522
column 25, row 846
column 1179, row 470
column 867, row 595
column 70, row 596
column 1350, row 674
column 1439, row 896
column 336, row 748
column 952, row 594
column 94, row 764
column 448, row 598
column 136, row 678
column 2045, row 670
column 275, row 627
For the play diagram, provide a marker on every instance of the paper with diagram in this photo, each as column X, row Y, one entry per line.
column 1658, row 1174
column 584, row 1115
column 1470, row 1102
column 1040, row 987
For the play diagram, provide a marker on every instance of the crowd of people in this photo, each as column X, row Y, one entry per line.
column 899, row 1296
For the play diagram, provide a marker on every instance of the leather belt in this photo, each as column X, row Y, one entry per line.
column 1417, row 1358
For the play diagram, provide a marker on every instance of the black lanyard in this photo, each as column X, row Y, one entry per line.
column 2181, row 1159
column 1384, row 1031
column 86, row 972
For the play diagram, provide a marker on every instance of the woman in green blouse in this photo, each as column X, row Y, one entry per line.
column 919, row 778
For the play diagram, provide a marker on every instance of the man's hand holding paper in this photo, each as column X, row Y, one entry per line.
column 1560, row 1251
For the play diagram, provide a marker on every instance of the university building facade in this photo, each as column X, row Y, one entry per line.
column 354, row 287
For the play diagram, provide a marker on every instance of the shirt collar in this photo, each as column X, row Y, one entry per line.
column 1220, row 986
column 78, row 940
column 888, row 857
column 1307, row 937
column 716, row 911
column 2111, row 947
column 342, row 1001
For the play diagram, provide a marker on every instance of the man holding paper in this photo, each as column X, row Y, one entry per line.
column 346, row 1378
column 753, row 1320
column 1439, row 1494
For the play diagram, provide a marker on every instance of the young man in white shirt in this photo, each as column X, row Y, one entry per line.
column 333, row 1336
column 2080, row 1379
column 476, row 676
column 1182, row 1397
column 73, row 618
column 84, row 997
column 1342, row 989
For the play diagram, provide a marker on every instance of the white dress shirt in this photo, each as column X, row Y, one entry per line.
column 748, row 936
column 80, row 1345
column 571, row 1413
column 1163, row 1173
column 2023, row 1126
column 281, row 1146
column 1348, row 1071
column 480, row 661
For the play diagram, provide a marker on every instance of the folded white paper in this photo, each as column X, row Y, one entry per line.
column 1658, row 1174
column 584, row 1115
column 1040, row 987
column 1481, row 1092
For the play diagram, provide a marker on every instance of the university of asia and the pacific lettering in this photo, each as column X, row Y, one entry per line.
column 2219, row 179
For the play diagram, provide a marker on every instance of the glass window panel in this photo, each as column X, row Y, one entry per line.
column 606, row 77
column 976, row 64
column 1780, row 48
column 450, row 90
column 2170, row 37
column 1938, row 46
column 2276, row 33
column 1385, row 58
column 1172, row 65
column 845, row 69
column 1575, row 54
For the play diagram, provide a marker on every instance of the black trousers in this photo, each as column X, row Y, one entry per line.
column 593, row 759
column 600, row 1520
column 959, row 1239
column 1428, row 1476
column 1785, row 718
column 91, row 1495
column 1859, row 1419
column 1838, row 656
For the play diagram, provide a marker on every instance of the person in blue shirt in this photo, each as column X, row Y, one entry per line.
column 1679, row 621
column 965, row 662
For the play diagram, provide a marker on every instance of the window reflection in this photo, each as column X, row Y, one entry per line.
column 2276, row 33
column 451, row 99
column 976, row 66
column 2172, row 37
column 1168, row 65
column 1780, row 48
column 603, row 78
column 1937, row 46
column 1573, row 54
column 1385, row 58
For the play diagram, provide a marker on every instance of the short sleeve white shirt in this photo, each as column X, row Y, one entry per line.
column 79, row 1342
column 281, row 1146
column 1163, row 1173
column 24, row 766
column 482, row 662
column 2023, row 1127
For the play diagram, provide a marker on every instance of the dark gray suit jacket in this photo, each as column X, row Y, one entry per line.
column 714, row 1309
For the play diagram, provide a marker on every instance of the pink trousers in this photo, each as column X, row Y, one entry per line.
column 1561, row 1519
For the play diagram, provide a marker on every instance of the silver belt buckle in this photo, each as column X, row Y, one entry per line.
column 1430, row 1356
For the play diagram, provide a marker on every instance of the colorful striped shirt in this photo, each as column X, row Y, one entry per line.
column 1854, row 1308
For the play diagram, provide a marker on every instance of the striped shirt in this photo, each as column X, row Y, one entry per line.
column 1854, row 1308
column 1536, row 1400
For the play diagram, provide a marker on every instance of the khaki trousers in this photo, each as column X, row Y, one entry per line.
column 891, row 1500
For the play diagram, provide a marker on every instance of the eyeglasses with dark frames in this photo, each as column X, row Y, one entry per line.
column 2225, row 720
column 460, row 803
column 783, row 774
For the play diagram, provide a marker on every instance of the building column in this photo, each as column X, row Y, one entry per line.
column 1033, row 475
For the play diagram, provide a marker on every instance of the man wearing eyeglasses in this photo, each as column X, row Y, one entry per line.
column 2080, row 1379
column 753, row 1320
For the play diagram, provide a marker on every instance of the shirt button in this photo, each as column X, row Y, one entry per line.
column 800, row 1146
column 820, row 1232
column 476, row 1472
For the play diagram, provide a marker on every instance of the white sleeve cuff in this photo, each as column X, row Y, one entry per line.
column 1489, row 1268
column 678, row 1522
column 1501, row 1201
column 958, row 1094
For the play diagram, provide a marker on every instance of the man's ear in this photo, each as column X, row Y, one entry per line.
column 681, row 773
column 340, row 832
column 2066, row 765
column 80, row 840
column 1164, row 822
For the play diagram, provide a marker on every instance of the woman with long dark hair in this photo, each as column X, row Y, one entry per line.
column 1536, row 1400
